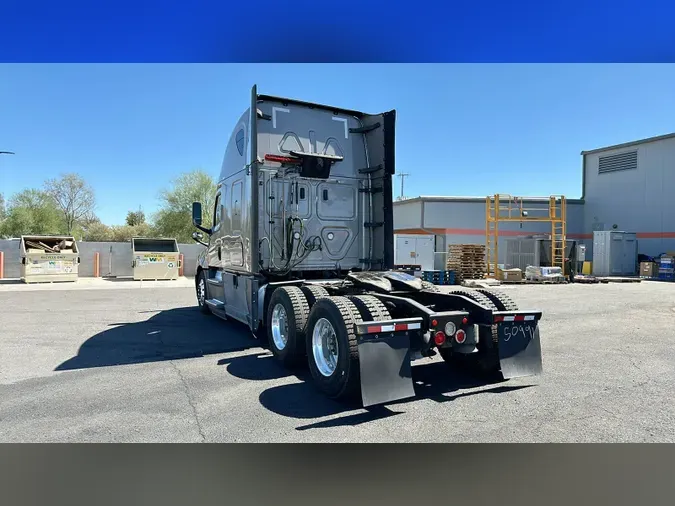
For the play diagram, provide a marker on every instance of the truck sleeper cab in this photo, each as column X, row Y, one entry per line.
column 301, row 250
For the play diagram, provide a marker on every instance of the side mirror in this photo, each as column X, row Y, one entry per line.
column 197, row 214
column 197, row 237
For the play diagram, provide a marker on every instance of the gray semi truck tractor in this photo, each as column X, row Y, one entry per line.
column 301, row 249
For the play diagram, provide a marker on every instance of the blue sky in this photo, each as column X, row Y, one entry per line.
column 461, row 130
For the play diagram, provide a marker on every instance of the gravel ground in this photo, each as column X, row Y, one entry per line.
column 127, row 365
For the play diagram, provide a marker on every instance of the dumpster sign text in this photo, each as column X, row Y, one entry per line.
column 153, row 259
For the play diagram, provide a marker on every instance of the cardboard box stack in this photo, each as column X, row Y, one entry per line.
column 649, row 269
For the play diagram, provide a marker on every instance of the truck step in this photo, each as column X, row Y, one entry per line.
column 215, row 304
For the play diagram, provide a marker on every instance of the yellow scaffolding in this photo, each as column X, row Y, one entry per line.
column 506, row 208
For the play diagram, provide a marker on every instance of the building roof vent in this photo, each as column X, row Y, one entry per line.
column 620, row 161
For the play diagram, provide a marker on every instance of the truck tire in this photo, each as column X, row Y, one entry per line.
column 286, row 319
column 499, row 299
column 370, row 308
column 200, row 287
column 313, row 293
column 429, row 287
column 332, row 349
column 484, row 362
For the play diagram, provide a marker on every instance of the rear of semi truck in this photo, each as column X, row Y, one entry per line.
column 302, row 246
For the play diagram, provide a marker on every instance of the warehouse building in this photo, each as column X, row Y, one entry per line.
column 461, row 220
column 630, row 187
column 626, row 187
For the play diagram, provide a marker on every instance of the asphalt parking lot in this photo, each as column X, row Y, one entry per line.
column 144, row 365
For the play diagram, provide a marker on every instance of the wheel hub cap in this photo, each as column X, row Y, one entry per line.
column 325, row 347
column 201, row 292
column 279, row 327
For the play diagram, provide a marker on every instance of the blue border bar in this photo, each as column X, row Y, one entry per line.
column 339, row 31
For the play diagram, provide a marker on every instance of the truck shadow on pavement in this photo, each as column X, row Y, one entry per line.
column 185, row 332
column 168, row 335
column 300, row 400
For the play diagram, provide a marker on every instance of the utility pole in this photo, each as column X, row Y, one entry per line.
column 402, row 176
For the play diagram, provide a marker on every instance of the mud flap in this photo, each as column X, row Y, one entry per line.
column 385, row 367
column 519, row 349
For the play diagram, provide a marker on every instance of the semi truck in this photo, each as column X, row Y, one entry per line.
column 301, row 249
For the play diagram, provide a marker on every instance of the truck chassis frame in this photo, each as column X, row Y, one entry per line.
column 360, row 334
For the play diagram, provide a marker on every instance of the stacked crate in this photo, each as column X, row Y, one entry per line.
column 666, row 269
column 467, row 260
column 439, row 277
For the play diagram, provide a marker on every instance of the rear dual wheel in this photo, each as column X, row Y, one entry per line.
column 287, row 316
column 326, row 334
column 332, row 348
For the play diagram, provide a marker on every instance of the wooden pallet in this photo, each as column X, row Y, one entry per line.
column 467, row 260
column 586, row 280
column 532, row 282
column 611, row 279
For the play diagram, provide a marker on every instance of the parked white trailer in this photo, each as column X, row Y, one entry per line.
column 413, row 249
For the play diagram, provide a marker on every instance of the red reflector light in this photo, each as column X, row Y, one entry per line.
column 374, row 330
column 465, row 320
column 460, row 336
column 281, row 159
column 439, row 338
column 434, row 323
column 400, row 326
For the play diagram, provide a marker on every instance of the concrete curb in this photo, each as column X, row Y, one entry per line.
column 16, row 285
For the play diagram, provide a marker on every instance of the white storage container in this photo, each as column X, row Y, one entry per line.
column 412, row 249
column 614, row 253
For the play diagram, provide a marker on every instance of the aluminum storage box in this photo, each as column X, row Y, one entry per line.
column 614, row 253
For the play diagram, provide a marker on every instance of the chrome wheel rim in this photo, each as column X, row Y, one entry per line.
column 325, row 347
column 201, row 292
column 279, row 327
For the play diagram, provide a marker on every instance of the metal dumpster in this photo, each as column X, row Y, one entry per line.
column 46, row 259
column 154, row 258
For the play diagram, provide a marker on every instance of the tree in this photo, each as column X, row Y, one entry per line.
column 32, row 212
column 74, row 197
column 174, row 219
column 2, row 207
column 135, row 218
column 124, row 233
column 97, row 231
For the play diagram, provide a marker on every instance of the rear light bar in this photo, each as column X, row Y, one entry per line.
column 282, row 159
column 514, row 318
column 389, row 326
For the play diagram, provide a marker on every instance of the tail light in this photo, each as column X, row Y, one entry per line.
column 439, row 338
column 460, row 336
column 282, row 159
